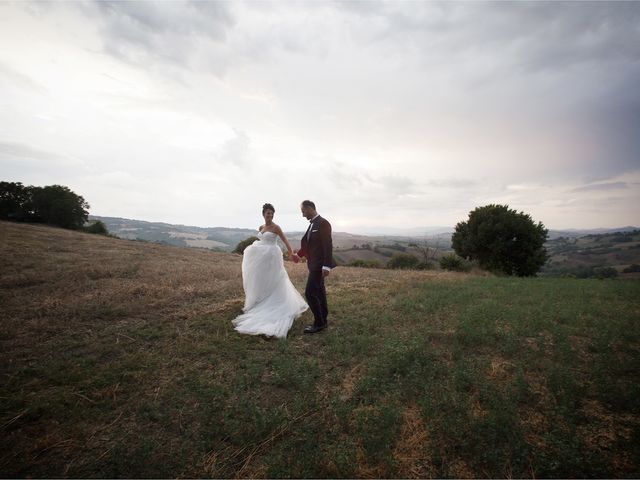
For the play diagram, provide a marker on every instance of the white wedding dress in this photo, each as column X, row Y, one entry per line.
column 271, row 303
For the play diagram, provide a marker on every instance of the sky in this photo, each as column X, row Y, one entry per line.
column 399, row 114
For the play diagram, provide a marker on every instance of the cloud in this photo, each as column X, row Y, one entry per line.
column 550, row 84
column 602, row 187
column 175, row 32
column 533, row 35
column 452, row 183
column 210, row 19
column 10, row 77
column 15, row 151
column 236, row 150
column 397, row 185
column 24, row 163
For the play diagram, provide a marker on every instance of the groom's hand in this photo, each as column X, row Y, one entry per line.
column 295, row 258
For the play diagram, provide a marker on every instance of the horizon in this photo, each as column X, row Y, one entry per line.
column 385, row 114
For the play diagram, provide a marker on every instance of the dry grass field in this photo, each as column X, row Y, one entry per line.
column 119, row 359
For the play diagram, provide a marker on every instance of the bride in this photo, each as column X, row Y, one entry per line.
column 271, row 301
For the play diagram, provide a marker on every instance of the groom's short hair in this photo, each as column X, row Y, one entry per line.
column 308, row 203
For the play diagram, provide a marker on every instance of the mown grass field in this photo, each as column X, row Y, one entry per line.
column 119, row 359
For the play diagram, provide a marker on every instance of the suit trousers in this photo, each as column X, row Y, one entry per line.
column 316, row 295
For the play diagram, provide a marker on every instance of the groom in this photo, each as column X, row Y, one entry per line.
column 317, row 246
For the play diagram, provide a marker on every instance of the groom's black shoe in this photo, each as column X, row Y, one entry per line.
column 314, row 329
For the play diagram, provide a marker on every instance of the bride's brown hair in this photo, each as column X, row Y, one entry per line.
column 268, row 206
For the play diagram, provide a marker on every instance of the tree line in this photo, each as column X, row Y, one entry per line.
column 52, row 205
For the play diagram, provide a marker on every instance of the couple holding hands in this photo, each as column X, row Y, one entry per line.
column 271, row 301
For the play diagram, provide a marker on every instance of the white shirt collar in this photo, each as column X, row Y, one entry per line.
column 317, row 215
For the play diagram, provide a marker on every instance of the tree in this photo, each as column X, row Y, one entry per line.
column 57, row 205
column 428, row 253
column 15, row 199
column 244, row 244
column 502, row 240
column 54, row 204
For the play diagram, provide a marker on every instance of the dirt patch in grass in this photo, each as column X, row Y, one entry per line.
column 458, row 468
column 351, row 380
column 412, row 450
column 500, row 370
column 605, row 428
column 365, row 469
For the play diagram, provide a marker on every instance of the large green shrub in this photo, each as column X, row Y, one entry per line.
column 502, row 240
column 244, row 244
column 455, row 263
column 97, row 227
column 403, row 261
column 605, row 272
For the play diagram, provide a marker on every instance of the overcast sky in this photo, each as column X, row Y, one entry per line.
column 398, row 114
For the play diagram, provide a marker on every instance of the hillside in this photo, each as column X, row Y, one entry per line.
column 118, row 359
column 226, row 239
column 214, row 238
column 580, row 256
column 572, row 252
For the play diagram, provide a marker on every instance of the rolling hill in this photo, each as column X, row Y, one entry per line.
column 583, row 256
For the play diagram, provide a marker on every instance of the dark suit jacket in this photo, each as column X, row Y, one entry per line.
column 318, row 246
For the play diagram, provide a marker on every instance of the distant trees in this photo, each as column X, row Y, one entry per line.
column 633, row 268
column 502, row 240
column 591, row 271
column 358, row 262
column 53, row 205
column 605, row 272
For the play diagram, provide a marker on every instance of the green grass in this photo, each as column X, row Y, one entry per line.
column 477, row 376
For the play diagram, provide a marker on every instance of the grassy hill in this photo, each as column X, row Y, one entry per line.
column 118, row 359
column 213, row 238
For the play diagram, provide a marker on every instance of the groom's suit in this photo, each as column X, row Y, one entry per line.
column 317, row 247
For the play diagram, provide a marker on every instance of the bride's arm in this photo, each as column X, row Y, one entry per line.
column 284, row 240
